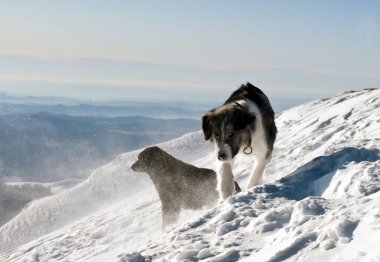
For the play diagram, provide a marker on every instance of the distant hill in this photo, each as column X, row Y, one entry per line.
column 73, row 107
column 47, row 147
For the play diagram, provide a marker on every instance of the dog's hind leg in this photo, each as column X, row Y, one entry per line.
column 226, row 185
column 256, row 177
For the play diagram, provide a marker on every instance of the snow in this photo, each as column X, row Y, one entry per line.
column 320, row 201
column 107, row 185
column 54, row 188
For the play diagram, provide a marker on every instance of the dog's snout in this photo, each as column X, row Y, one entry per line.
column 222, row 156
column 134, row 167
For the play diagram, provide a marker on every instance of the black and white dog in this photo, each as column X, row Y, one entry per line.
column 244, row 123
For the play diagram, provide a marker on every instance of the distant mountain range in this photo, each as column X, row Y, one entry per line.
column 48, row 147
column 74, row 107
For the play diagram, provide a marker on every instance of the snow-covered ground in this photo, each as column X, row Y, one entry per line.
column 320, row 201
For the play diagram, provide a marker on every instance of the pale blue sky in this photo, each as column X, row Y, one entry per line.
column 188, row 50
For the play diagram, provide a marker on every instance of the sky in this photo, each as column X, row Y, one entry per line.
column 189, row 50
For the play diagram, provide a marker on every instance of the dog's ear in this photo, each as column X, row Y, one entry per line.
column 242, row 119
column 207, row 125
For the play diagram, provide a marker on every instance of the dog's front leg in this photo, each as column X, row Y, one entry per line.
column 226, row 186
column 170, row 213
column 256, row 177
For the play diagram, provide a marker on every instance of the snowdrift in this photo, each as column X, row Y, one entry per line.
column 320, row 201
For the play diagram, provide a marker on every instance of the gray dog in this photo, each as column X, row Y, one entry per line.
column 179, row 185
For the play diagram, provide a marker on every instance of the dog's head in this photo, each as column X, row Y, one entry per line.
column 146, row 159
column 229, row 127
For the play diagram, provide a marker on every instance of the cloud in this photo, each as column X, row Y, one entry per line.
column 101, row 81
column 230, row 67
column 52, row 57
column 62, row 57
column 226, row 74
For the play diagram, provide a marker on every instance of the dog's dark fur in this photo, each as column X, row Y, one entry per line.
column 179, row 185
column 245, row 122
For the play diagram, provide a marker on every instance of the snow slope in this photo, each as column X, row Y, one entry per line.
column 14, row 196
column 109, row 184
column 321, row 201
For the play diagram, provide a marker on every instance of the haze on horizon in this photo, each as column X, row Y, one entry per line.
column 193, row 51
